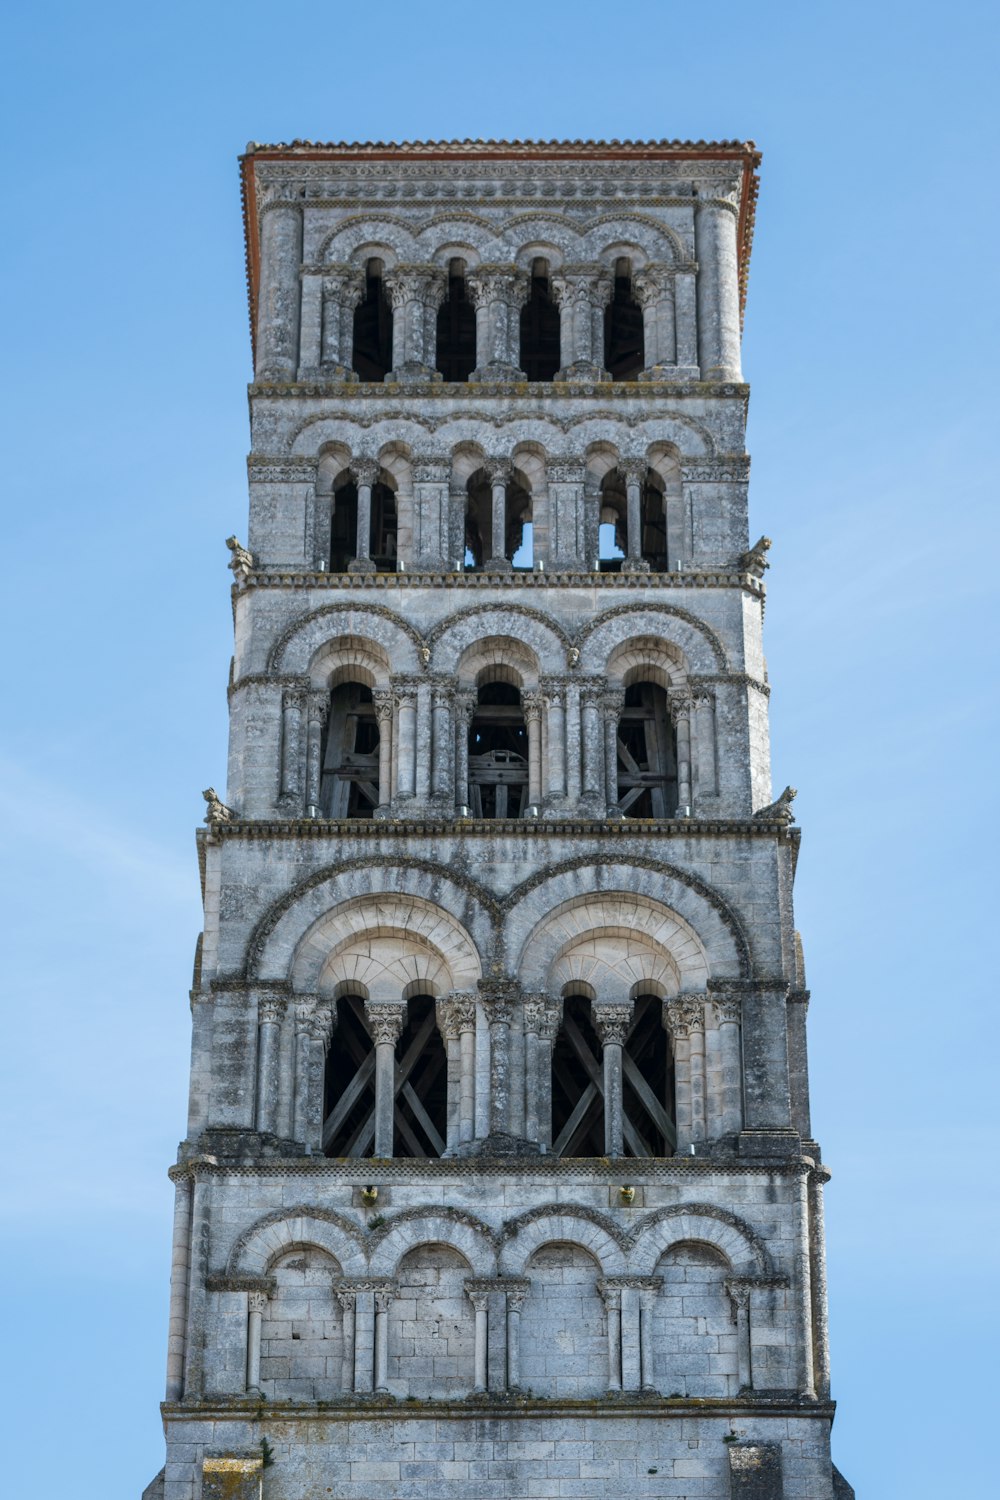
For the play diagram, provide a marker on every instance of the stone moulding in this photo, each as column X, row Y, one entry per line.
column 313, row 828
column 604, row 1407
column 694, row 579
column 643, row 1171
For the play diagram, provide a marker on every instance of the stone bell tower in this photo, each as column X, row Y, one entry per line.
column 498, row 1178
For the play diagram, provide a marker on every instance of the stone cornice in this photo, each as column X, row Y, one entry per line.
column 641, row 1171
column 605, row 1407
column 648, row 393
column 616, row 832
column 695, row 578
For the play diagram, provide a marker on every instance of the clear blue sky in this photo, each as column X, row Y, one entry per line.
column 871, row 346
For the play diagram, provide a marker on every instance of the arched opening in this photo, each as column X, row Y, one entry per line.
column 540, row 327
column 624, row 351
column 456, row 328
column 349, row 756
column 613, row 523
column 648, row 1079
column 694, row 1347
column 372, row 357
column 564, row 1337
column 344, row 527
column 422, row 1083
column 302, row 1330
column 518, row 530
column 431, row 1333
column 577, row 1100
column 498, row 753
column 349, row 1084
column 647, row 754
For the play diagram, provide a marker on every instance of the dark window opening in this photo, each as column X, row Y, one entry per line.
column 647, row 754
column 349, row 786
column 654, row 528
column 349, row 1087
column 456, row 328
column 422, row 1083
column 624, row 351
column 540, row 348
column 613, row 525
column 577, row 1101
column 344, row 528
column 648, row 1082
column 518, row 534
column 372, row 357
column 498, row 754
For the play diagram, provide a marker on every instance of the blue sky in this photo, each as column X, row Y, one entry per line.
column 870, row 344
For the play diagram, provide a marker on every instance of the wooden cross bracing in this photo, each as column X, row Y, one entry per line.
column 362, row 1140
column 589, row 1107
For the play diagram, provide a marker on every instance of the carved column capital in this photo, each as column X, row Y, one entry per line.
column 531, row 705
column 611, row 1295
column 728, row 1009
column 344, row 285
column 684, row 1014
column 382, row 698
column 364, row 470
column 653, row 282
column 271, row 1009
column 318, row 707
column 257, row 1302
column 409, row 283
column 593, row 691
column 679, row 704
column 499, row 470
column 633, row 470
column 611, row 1022
column 456, row 1013
column 431, row 468
column 497, row 283
column 466, row 703
column 591, row 284
column 385, row 1020
column 612, row 704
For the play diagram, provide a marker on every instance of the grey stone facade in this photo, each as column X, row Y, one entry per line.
column 498, row 1178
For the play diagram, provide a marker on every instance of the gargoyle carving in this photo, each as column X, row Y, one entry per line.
column 779, row 811
column 241, row 561
column 217, row 811
column 755, row 561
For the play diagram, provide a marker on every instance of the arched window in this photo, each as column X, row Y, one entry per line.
column 647, row 754
column 498, row 753
column 578, row 1083
column 613, row 523
column 456, row 328
column 420, row 1108
column 624, row 354
column 518, row 528
column 421, row 1083
column 349, row 1086
column 344, row 527
column 349, row 784
column 577, row 1100
column 540, row 327
column 372, row 357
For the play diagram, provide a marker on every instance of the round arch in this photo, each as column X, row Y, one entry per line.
column 290, row 1228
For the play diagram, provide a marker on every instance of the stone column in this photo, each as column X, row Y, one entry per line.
column 303, row 1064
column 613, row 1306
column 406, row 739
column 364, row 1336
column 345, row 1296
column 531, row 704
column 500, row 472
column 648, row 1288
column 292, row 703
column 317, row 712
column 383, row 1299
column 465, row 710
column 385, row 1023
column 180, row 1255
column 256, row 1308
column 582, row 293
column 479, row 1296
column 677, row 1019
column 310, row 323
column 343, row 289
column 423, row 749
column 654, row 291
column 554, row 693
column 416, row 293
column 432, row 543
column 548, row 1030
column 443, row 783
column 278, row 301
column 498, row 998
column 447, row 1024
column 686, row 321
column 634, row 471
column 612, row 704
column 820, row 1309
column 516, row 1293
column 364, row 472
column 715, row 228
column 679, row 705
column 534, row 1009
column 383, row 701
column 572, row 731
column 728, row 1009
column 706, row 772
column 696, row 1046
column 457, row 1024
column 592, row 742
column 611, row 1022
column 270, row 1013
column 739, row 1296
column 498, row 293
column 320, row 1034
